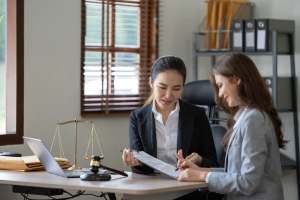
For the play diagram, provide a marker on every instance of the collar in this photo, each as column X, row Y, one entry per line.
column 239, row 113
column 156, row 113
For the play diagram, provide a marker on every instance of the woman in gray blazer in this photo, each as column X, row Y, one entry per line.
column 252, row 163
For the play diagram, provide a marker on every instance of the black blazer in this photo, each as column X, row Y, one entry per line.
column 194, row 134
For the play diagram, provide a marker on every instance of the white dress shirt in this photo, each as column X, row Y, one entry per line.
column 166, row 135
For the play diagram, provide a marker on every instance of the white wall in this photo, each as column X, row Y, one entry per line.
column 52, row 79
column 52, row 70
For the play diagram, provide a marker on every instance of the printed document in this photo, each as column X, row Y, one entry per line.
column 157, row 164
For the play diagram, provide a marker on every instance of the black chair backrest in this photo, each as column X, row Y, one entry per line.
column 218, row 132
column 200, row 93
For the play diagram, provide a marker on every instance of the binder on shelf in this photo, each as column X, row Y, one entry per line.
column 237, row 35
column 264, row 28
column 284, row 93
column 262, row 35
column 250, row 35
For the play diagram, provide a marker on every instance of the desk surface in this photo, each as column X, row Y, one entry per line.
column 134, row 184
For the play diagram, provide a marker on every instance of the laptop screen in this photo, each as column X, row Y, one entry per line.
column 45, row 157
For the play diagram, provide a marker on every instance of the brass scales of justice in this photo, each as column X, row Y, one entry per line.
column 93, row 138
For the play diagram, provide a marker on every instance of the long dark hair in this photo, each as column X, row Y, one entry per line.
column 163, row 64
column 252, row 91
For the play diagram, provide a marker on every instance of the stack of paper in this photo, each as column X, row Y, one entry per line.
column 28, row 163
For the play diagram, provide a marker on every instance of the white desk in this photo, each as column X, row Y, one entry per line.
column 134, row 186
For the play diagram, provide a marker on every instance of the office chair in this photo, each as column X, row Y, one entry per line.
column 200, row 93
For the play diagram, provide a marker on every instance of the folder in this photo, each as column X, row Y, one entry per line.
column 264, row 28
column 220, row 24
column 237, row 35
column 28, row 163
column 213, row 25
column 284, row 93
column 262, row 35
column 250, row 35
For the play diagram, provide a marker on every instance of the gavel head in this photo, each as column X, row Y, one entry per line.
column 95, row 164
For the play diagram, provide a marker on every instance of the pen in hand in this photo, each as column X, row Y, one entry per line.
column 180, row 158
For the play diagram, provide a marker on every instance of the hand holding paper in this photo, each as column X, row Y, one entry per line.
column 128, row 158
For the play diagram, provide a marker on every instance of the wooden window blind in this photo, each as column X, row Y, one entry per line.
column 119, row 45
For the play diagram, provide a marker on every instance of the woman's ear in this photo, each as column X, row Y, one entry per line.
column 235, row 80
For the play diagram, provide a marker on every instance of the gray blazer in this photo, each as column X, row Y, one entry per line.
column 252, row 163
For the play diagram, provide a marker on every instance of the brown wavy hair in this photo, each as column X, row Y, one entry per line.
column 252, row 91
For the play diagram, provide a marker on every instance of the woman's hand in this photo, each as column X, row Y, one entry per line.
column 180, row 158
column 193, row 157
column 191, row 172
column 184, row 164
column 128, row 158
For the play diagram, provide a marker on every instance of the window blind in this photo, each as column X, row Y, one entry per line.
column 119, row 44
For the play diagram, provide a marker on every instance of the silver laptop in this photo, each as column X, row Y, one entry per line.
column 51, row 166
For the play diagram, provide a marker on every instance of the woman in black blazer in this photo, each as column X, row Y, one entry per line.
column 194, row 134
column 165, row 124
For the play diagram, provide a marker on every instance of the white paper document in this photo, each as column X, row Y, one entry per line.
column 157, row 164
